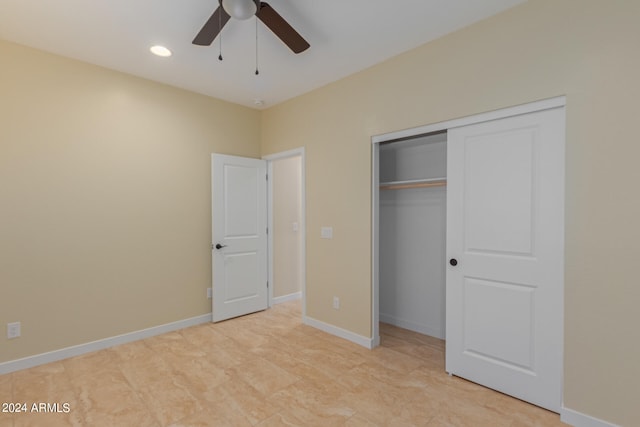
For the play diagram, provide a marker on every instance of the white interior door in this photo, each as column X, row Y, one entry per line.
column 239, row 236
column 505, row 229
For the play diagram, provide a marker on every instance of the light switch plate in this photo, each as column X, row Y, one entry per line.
column 326, row 232
column 13, row 330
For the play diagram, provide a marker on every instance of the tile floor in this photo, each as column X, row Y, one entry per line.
column 265, row 369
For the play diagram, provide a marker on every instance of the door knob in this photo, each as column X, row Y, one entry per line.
column 453, row 262
column 219, row 246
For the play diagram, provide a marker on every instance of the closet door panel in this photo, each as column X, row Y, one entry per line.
column 499, row 199
column 505, row 228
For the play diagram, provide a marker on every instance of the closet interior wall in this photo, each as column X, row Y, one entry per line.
column 413, row 233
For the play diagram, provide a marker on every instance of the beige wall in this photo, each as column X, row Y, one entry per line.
column 287, row 246
column 586, row 50
column 104, row 199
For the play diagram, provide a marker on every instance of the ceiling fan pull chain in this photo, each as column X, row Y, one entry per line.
column 220, row 33
column 257, row 72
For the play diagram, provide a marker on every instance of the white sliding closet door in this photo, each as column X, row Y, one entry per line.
column 505, row 229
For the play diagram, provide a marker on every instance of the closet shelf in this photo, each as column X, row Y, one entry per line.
column 414, row 183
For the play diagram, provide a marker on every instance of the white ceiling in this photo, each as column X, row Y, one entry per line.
column 345, row 36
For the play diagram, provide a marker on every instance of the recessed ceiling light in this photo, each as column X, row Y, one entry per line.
column 160, row 51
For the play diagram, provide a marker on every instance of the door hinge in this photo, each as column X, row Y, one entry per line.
column 267, row 284
column 266, row 177
column 267, row 230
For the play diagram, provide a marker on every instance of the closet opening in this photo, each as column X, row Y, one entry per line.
column 500, row 219
column 412, row 200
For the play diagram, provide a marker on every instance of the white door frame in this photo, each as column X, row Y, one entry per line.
column 297, row 152
column 531, row 107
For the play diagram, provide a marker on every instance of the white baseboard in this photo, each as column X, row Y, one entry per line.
column 77, row 350
column 375, row 342
column 339, row 332
column 412, row 326
column 285, row 298
column 578, row 419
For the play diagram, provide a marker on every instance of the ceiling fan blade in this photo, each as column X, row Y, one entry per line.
column 281, row 28
column 212, row 28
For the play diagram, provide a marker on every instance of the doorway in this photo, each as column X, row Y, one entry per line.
column 286, row 238
column 504, row 247
column 258, row 232
column 412, row 233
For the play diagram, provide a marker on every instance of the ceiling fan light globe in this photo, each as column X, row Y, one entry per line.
column 240, row 9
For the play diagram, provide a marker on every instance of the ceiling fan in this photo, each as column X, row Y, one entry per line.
column 245, row 9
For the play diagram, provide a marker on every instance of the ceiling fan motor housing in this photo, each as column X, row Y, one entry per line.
column 241, row 9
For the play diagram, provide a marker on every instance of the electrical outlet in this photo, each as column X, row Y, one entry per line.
column 13, row 330
column 336, row 303
column 209, row 293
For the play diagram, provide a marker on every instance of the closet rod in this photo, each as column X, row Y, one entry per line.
column 407, row 185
